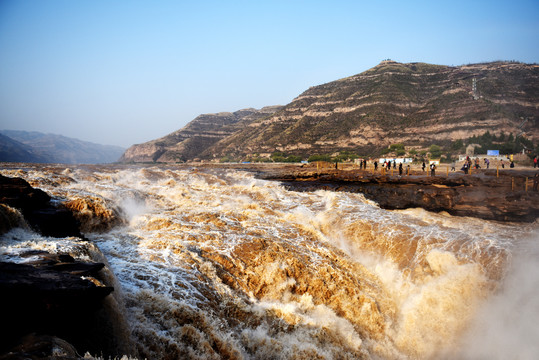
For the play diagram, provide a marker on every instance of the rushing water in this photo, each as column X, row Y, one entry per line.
column 212, row 264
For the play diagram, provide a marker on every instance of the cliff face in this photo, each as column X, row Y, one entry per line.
column 415, row 104
column 483, row 195
column 197, row 138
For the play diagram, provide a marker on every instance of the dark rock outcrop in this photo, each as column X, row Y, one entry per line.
column 35, row 206
column 60, row 299
column 53, row 295
column 38, row 347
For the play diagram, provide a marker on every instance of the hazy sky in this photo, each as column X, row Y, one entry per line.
column 125, row 72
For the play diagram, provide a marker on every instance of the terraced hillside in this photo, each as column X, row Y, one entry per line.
column 196, row 138
column 415, row 104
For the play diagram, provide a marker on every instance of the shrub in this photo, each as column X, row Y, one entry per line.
column 293, row 159
column 400, row 152
column 318, row 157
column 435, row 151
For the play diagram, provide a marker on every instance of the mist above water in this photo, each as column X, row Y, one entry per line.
column 506, row 325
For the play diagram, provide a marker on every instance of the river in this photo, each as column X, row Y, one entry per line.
column 216, row 264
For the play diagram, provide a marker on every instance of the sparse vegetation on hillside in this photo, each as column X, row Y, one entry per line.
column 284, row 158
column 397, row 149
column 507, row 144
column 318, row 157
column 435, row 151
column 410, row 106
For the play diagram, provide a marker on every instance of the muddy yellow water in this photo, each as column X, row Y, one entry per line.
column 215, row 264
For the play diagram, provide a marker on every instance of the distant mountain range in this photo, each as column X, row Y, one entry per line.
column 36, row 147
column 414, row 104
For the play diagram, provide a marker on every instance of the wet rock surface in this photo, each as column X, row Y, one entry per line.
column 52, row 294
column 50, row 303
column 37, row 209
column 37, row 347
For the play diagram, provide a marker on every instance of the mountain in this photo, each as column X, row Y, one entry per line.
column 14, row 151
column 197, row 138
column 25, row 146
column 414, row 104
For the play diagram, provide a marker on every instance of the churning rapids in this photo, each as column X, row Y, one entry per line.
column 216, row 264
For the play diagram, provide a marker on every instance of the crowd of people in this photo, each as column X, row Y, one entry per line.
column 467, row 164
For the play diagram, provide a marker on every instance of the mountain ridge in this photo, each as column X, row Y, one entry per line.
column 416, row 104
column 37, row 147
column 196, row 137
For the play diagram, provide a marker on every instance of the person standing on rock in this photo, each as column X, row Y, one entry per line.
column 465, row 167
column 535, row 161
column 400, row 169
column 423, row 166
column 375, row 165
column 433, row 169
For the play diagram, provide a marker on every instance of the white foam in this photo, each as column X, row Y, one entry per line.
column 179, row 221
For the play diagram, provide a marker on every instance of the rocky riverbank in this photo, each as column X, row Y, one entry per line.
column 490, row 194
column 52, row 303
column 485, row 194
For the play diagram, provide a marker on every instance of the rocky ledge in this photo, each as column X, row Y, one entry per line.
column 47, row 297
column 36, row 208
column 485, row 194
column 52, row 295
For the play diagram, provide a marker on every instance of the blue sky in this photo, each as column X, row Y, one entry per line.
column 125, row 72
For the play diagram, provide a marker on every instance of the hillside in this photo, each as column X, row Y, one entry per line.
column 14, row 151
column 37, row 147
column 197, row 138
column 415, row 104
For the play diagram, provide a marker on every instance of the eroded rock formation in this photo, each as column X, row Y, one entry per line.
column 35, row 206
column 53, row 294
column 48, row 298
column 483, row 195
